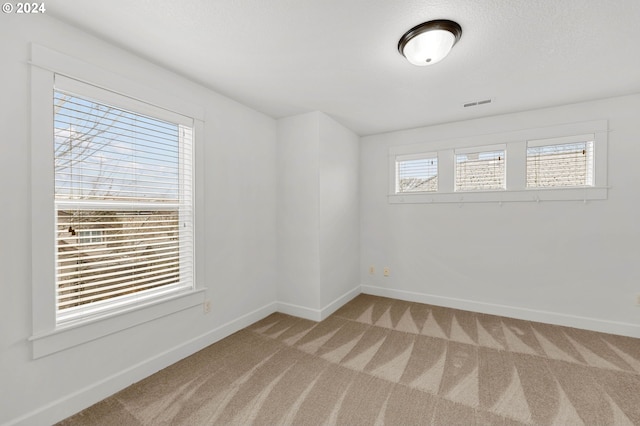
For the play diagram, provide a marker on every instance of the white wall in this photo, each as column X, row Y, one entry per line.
column 318, row 229
column 562, row 262
column 339, row 212
column 298, row 214
column 238, row 262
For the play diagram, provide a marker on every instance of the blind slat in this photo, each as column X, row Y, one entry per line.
column 101, row 283
column 102, row 253
column 117, row 264
column 120, row 291
column 117, row 269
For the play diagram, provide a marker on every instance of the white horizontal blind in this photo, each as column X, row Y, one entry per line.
column 123, row 195
column 480, row 170
column 417, row 173
column 560, row 165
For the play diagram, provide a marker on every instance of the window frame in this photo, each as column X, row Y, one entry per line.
column 47, row 336
column 413, row 157
column 480, row 150
column 587, row 139
column 91, row 93
column 515, row 143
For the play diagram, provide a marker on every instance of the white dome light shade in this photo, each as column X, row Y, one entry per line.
column 429, row 48
column 429, row 43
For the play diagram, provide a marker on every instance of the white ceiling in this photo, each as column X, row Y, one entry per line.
column 285, row 57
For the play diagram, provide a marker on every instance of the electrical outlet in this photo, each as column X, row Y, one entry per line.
column 372, row 270
column 206, row 306
column 385, row 271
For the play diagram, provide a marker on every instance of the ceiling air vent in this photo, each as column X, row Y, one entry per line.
column 476, row 103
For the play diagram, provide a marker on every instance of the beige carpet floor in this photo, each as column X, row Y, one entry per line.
column 384, row 361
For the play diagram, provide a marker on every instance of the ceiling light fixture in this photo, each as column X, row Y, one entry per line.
column 429, row 42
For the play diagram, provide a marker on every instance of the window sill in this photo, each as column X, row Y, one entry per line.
column 507, row 196
column 70, row 335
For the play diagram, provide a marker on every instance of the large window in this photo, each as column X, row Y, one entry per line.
column 113, row 241
column 123, row 206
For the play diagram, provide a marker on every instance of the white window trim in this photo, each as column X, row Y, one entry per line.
column 47, row 337
column 516, row 147
column 534, row 143
column 480, row 148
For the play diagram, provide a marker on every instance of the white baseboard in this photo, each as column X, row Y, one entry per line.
column 83, row 398
column 594, row 324
column 299, row 311
column 318, row 314
column 339, row 302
